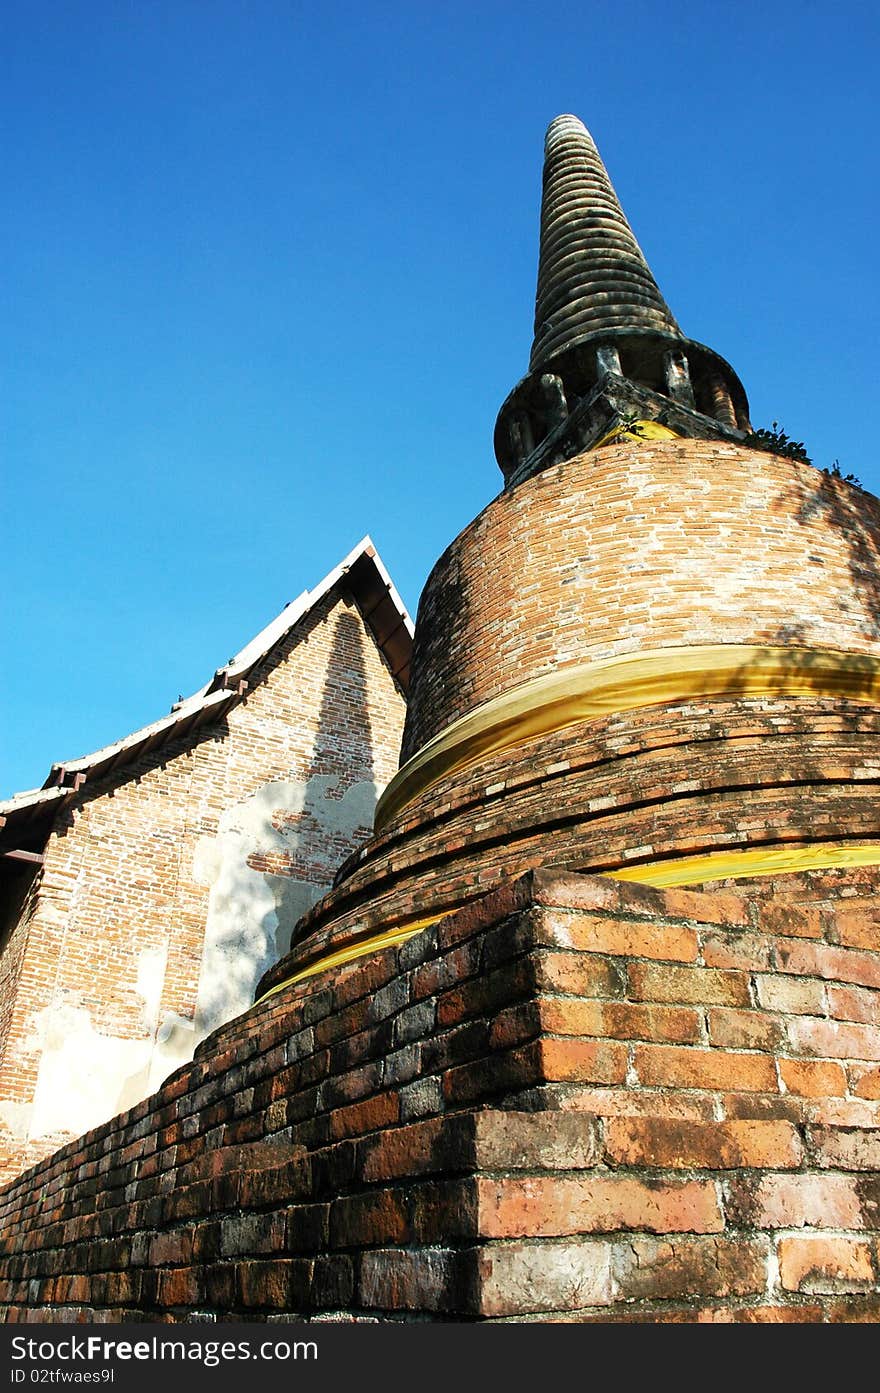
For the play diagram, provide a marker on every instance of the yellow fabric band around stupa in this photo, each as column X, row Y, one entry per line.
column 748, row 862
column 635, row 430
column 340, row 956
column 743, row 864
column 624, row 683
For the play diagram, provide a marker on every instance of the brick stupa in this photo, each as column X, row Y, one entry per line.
column 590, row 1029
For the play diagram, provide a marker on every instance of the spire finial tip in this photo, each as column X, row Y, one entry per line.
column 563, row 126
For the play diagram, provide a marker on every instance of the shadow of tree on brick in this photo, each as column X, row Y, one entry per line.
column 337, row 814
column 444, row 616
column 279, row 849
column 846, row 688
column 854, row 514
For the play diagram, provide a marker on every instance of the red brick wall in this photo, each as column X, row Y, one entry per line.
column 20, row 908
column 116, row 937
column 630, row 547
column 676, row 1120
column 681, row 779
column 627, row 548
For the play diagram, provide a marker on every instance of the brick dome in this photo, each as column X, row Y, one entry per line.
column 650, row 653
column 635, row 547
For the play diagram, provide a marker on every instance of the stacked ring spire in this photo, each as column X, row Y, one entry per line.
column 592, row 273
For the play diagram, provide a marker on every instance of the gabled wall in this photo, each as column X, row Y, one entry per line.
column 158, row 904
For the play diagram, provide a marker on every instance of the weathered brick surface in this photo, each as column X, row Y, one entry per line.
column 279, row 1172
column 539, row 1206
column 804, row 764
column 108, row 948
column 678, row 542
column 797, row 1201
column 826, row 1264
column 517, row 1279
column 673, row 1144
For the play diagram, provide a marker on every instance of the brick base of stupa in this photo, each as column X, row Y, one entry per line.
column 576, row 1099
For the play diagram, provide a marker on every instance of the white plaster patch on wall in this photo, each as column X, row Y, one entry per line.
column 293, row 898
column 81, row 1072
column 86, row 1076
column 173, row 1045
column 175, row 1042
column 150, row 982
column 207, row 860
column 251, row 913
column 15, row 1119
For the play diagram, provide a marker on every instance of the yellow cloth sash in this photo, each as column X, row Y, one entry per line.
column 626, row 683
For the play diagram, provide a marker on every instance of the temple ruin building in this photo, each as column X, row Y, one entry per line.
column 588, row 1029
column 148, row 886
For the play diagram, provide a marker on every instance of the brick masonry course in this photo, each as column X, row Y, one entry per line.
column 167, row 886
column 686, row 779
column 617, row 551
column 540, row 1175
column 676, row 542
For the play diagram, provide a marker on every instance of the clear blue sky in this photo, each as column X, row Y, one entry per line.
column 269, row 272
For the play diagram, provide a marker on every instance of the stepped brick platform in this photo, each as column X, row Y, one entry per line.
column 642, row 653
column 496, row 1079
column 575, row 1099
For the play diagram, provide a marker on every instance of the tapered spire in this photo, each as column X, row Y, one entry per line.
column 592, row 275
column 607, row 355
